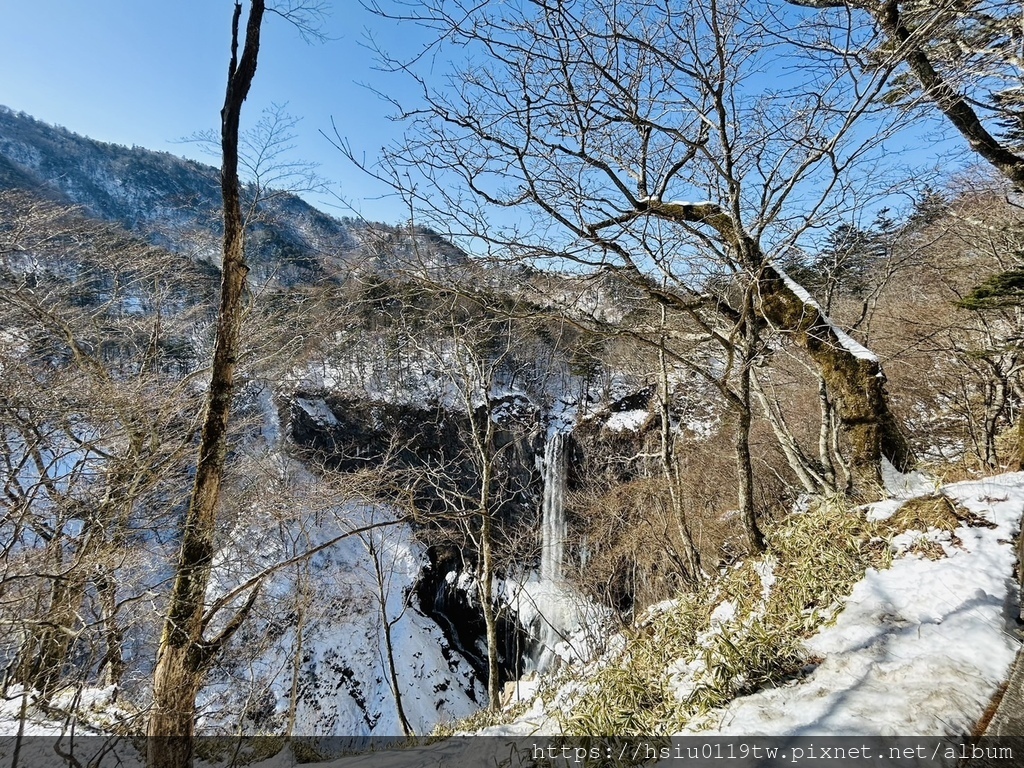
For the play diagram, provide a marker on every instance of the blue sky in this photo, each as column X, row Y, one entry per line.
column 148, row 73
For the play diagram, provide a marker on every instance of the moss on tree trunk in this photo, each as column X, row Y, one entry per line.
column 855, row 382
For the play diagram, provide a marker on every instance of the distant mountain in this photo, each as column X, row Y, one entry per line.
column 175, row 203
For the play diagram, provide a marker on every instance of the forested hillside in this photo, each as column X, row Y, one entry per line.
column 612, row 462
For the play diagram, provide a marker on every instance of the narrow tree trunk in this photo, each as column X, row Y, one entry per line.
column 483, row 439
column 113, row 660
column 486, row 590
column 811, row 480
column 388, row 623
column 744, row 462
column 293, row 696
column 691, row 556
column 403, row 719
column 183, row 654
column 825, row 437
column 47, row 651
column 745, row 477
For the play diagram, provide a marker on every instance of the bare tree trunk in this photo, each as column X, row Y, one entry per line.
column 486, row 589
column 47, row 651
column 403, row 719
column 853, row 375
column 113, row 659
column 300, row 624
column 183, row 653
column 745, row 476
column 811, row 480
column 388, row 623
column 825, row 436
column 691, row 556
column 170, row 741
column 995, row 405
column 744, row 462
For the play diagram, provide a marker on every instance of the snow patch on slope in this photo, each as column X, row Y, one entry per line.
column 919, row 648
column 627, row 420
column 319, row 635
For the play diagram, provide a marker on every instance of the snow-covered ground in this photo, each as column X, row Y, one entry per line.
column 919, row 648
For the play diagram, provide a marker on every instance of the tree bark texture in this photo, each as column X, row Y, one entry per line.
column 856, row 382
column 184, row 654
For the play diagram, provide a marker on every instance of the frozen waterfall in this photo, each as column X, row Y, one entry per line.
column 559, row 619
column 544, row 602
column 552, row 547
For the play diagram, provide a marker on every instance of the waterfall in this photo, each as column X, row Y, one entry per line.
column 552, row 547
column 547, row 605
column 543, row 602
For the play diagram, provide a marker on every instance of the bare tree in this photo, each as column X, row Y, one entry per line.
column 589, row 122
column 467, row 349
column 95, row 418
column 471, row 359
column 185, row 652
column 962, row 57
column 377, row 548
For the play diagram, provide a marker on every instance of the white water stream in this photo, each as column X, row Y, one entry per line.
column 552, row 547
column 544, row 602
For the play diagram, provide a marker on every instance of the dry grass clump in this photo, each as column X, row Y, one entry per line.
column 743, row 629
column 482, row 718
column 924, row 513
column 685, row 661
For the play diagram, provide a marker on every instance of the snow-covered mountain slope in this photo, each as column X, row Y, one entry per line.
column 175, row 203
column 320, row 633
column 337, row 645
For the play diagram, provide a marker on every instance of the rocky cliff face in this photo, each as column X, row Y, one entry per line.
column 349, row 434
